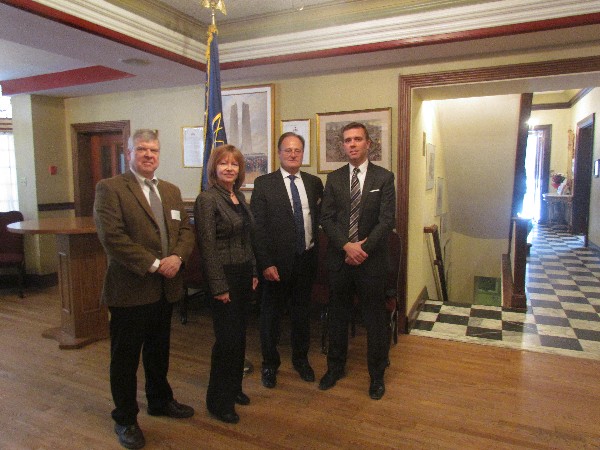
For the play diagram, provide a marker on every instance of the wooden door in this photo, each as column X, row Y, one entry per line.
column 98, row 152
column 582, row 176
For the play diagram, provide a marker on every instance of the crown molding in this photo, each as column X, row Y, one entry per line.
column 411, row 26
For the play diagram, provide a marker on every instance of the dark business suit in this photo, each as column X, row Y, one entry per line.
column 224, row 238
column 140, row 302
column 376, row 220
column 275, row 245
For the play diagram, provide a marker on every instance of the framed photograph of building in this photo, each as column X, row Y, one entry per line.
column 330, row 150
column 302, row 128
column 248, row 119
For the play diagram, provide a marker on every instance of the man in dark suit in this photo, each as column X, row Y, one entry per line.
column 285, row 204
column 145, row 231
column 357, row 215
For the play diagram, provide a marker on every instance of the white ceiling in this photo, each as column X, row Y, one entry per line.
column 31, row 45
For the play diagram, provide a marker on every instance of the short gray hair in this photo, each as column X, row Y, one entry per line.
column 142, row 135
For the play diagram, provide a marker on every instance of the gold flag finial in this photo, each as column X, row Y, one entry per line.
column 215, row 5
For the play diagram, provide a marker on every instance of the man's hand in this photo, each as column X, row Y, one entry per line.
column 355, row 255
column 223, row 297
column 169, row 266
column 271, row 273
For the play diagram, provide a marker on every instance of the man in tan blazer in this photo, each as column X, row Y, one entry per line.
column 143, row 279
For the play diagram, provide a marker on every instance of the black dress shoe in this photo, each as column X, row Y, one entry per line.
column 330, row 378
column 376, row 389
column 306, row 372
column 173, row 409
column 242, row 399
column 130, row 436
column 269, row 378
column 227, row 417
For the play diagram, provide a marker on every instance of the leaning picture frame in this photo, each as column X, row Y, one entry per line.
column 430, row 167
column 302, row 128
column 330, row 151
column 192, row 145
column 248, row 118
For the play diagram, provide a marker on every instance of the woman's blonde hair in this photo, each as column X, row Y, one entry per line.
column 217, row 155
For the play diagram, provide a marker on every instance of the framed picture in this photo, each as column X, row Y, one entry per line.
column 302, row 128
column 330, row 150
column 192, row 145
column 430, row 167
column 439, row 197
column 248, row 118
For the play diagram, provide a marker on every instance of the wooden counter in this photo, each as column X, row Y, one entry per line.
column 81, row 269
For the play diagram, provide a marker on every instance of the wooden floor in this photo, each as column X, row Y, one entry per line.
column 440, row 395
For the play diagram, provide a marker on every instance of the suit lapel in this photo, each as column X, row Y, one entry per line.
column 368, row 185
column 136, row 190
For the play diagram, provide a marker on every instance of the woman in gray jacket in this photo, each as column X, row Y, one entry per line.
column 224, row 226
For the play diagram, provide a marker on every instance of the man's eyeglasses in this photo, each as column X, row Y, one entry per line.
column 154, row 151
column 289, row 151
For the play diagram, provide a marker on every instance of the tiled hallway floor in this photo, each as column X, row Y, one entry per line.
column 563, row 306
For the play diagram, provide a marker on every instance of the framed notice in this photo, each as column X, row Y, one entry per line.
column 192, row 144
column 302, row 128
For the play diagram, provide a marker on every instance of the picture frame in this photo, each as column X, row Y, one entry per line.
column 439, row 196
column 330, row 152
column 192, row 146
column 300, row 127
column 248, row 118
column 430, row 168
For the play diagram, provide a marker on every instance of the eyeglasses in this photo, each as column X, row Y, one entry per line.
column 141, row 149
column 289, row 151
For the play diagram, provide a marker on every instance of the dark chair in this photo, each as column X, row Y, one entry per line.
column 12, row 253
column 192, row 279
column 321, row 290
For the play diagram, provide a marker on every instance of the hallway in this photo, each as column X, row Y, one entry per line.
column 563, row 304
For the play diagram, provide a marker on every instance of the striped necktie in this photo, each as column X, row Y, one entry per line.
column 159, row 215
column 354, row 203
column 298, row 216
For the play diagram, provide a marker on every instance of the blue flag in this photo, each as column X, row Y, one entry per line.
column 214, row 127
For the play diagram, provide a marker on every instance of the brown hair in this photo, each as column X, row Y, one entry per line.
column 217, row 155
column 286, row 135
column 353, row 125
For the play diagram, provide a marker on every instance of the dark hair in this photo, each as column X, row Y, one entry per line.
column 142, row 135
column 217, row 155
column 287, row 135
column 353, row 125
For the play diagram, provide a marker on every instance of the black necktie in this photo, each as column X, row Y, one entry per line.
column 298, row 216
column 354, row 202
column 159, row 215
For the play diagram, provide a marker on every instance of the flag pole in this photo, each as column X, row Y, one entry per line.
column 214, row 126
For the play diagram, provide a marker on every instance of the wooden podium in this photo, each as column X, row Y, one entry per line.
column 81, row 269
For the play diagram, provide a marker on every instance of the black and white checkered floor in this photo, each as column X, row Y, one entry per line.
column 563, row 306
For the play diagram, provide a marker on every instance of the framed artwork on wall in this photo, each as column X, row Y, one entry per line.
column 302, row 128
column 439, row 196
column 248, row 118
column 192, row 145
column 330, row 152
column 430, row 167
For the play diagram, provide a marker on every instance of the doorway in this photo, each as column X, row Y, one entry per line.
column 537, row 171
column 98, row 152
column 582, row 176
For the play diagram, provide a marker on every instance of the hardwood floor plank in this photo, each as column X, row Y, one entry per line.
column 439, row 394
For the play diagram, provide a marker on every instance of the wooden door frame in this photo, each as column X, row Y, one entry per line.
column 80, row 158
column 407, row 83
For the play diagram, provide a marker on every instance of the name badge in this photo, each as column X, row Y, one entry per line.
column 175, row 214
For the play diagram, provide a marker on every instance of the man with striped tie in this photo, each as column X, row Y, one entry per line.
column 357, row 215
